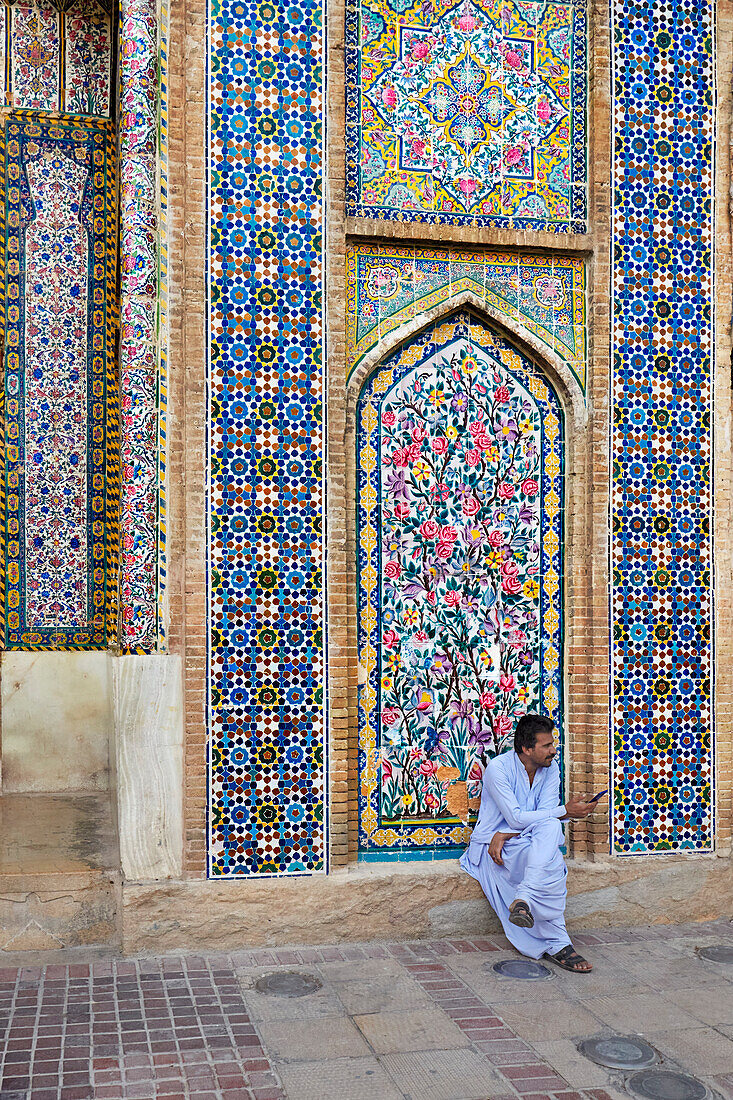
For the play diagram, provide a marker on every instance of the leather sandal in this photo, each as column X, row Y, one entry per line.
column 520, row 914
column 568, row 959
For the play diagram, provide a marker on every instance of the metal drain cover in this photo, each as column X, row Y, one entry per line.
column 618, row 1052
column 717, row 953
column 663, row 1084
column 288, row 983
column 524, row 969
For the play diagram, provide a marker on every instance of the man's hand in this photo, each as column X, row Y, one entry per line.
column 577, row 808
column 497, row 843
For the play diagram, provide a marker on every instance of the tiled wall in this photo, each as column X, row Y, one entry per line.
column 267, row 770
column 662, row 347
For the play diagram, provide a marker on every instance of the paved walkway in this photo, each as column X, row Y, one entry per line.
column 419, row 1021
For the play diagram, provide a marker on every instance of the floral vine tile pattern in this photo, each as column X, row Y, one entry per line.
column 267, row 772
column 57, row 57
column 661, row 597
column 460, row 571
column 467, row 112
column 388, row 286
column 139, row 351
column 60, row 476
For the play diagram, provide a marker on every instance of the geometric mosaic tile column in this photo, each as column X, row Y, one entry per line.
column 266, row 678
column 662, row 345
column 139, row 212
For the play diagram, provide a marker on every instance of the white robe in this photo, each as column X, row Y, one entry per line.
column 534, row 869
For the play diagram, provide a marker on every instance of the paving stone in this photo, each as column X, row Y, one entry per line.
column 344, row 1079
column 563, row 1020
column 607, row 979
column 443, row 1075
column 373, row 969
column 660, row 970
column 380, row 994
column 389, row 1032
column 579, row 1072
column 302, row 1040
column 696, row 1050
column 636, row 1011
column 710, row 1004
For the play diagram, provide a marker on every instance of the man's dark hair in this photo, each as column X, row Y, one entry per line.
column 528, row 729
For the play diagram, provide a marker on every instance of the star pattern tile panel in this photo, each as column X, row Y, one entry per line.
column 267, row 771
column 662, row 345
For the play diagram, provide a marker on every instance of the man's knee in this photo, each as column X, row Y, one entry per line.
column 548, row 831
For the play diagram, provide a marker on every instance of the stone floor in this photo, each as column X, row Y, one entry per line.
column 418, row 1021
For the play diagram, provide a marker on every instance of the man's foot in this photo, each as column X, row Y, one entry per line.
column 569, row 959
column 519, row 914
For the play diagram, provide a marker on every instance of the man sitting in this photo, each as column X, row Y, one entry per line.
column 515, row 847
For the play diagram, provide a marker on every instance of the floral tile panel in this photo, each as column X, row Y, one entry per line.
column 58, row 57
column 60, row 477
column 460, row 566
column 467, row 113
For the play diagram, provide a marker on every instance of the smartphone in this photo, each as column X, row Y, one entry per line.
column 596, row 797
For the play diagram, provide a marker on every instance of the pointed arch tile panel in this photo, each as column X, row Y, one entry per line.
column 460, row 542
column 61, row 424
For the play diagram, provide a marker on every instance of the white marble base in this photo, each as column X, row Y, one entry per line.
column 57, row 721
column 148, row 702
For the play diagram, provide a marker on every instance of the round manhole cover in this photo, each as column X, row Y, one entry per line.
column 618, row 1052
column 663, row 1084
column 717, row 953
column 524, row 969
column 288, row 983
